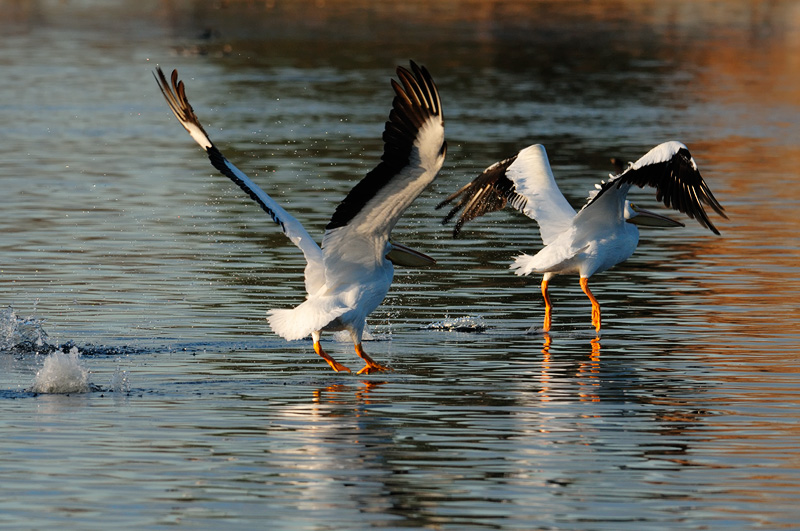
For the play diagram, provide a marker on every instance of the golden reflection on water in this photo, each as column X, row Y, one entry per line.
column 692, row 396
column 337, row 393
column 587, row 375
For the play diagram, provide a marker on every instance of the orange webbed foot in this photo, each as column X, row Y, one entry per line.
column 371, row 366
column 335, row 365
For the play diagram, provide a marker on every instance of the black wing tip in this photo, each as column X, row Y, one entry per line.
column 416, row 100
column 164, row 84
column 705, row 222
column 449, row 199
column 459, row 223
column 706, row 196
column 174, row 92
column 458, row 206
column 160, row 72
column 678, row 182
column 418, row 81
column 489, row 192
column 450, row 215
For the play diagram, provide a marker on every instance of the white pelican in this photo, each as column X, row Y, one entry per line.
column 349, row 276
column 603, row 233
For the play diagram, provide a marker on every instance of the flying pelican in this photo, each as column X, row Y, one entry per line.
column 349, row 276
column 603, row 233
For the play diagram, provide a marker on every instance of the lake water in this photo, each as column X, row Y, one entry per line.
column 151, row 274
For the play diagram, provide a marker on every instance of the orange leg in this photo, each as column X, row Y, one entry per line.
column 335, row 365
column 595, row 304
column 547, row 342
column 595, row 355
column 547, row 306
column 371, row 365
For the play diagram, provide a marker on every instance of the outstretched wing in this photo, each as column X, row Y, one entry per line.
column 175, row 94
column 671, row 170
column 413, row 152
column 524, row 182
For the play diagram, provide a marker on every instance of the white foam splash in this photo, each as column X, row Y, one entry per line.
column 468, row 323
column 62, row 373
column 20, row 331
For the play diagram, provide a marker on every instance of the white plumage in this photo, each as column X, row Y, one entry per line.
column 602, row 234
column 349, row 275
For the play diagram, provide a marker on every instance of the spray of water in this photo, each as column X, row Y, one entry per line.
column 120, row 381
column 62, row 373
column 343, row 336
column 21, row 332
column 467, row 323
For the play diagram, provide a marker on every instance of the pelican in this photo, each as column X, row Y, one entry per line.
column 603, row 233
column 349, row 275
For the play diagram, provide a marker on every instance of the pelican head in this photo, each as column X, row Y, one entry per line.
column 645, row 218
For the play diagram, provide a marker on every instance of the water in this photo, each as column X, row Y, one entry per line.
column 126, row 259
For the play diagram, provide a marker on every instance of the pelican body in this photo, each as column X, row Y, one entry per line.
column 349, row 275
column 603, row 233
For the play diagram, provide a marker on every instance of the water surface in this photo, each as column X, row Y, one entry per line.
column 120, row 240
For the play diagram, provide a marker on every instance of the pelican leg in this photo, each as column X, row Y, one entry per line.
column 548, row 307
column 371, row 365
column 595, row 304
column 335, row 365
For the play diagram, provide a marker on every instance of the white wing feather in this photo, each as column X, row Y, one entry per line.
column 175, row 94
column 533, row 180
column 363, row 240
column 356, row 240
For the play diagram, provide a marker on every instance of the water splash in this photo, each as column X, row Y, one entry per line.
column 120, row 382
column 62, row 373
column 467, row 323
column 21, row 332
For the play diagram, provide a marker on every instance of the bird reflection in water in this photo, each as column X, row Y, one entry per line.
column 546, row 367
column 587, row 373
column 339, row 394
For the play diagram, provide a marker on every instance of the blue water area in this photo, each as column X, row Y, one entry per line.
column 140, row 386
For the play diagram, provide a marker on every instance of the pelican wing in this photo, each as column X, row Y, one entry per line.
column 488, row 192
column 414, row 150
column 175, row 94
column 671, row 170
column 524, row 182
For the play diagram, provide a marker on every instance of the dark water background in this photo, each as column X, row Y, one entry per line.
column 118, row 238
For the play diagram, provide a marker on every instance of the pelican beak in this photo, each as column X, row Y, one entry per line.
column 645, row 218
column 404, row 256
